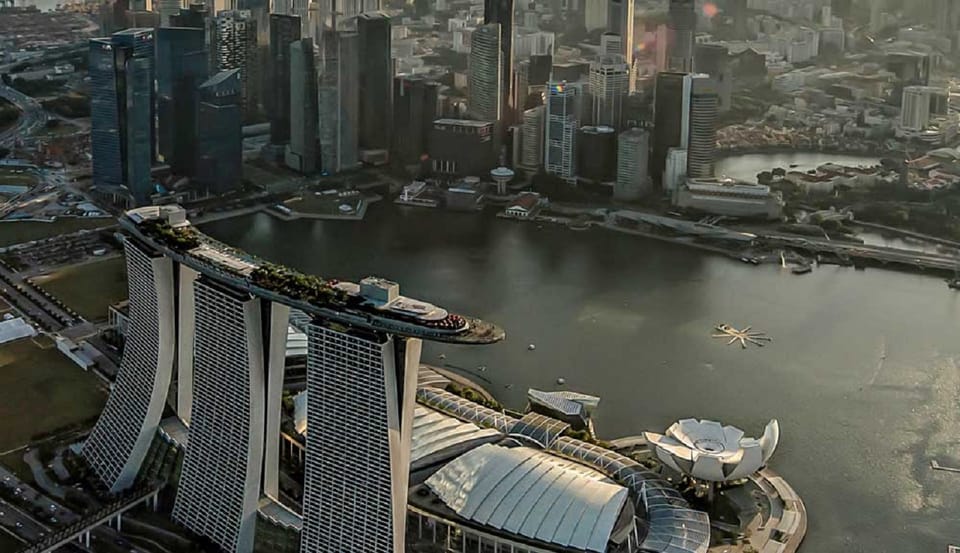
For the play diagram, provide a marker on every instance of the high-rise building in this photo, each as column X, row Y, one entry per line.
column 597, row 154
column 181, row 67
column 704, row 109
column 609, row 86
column 484, row 99
column 714, row 60
column 284, row 30
column 219, row 155
column 166, row 9
column 620, row 15
column 683, row 26
column 915, row 109
column 462, row 148
column 302, row 151
column 237, row 49
column 415, row 107
column 595, row 14
column 633, row 172
column 218, row 332
column 122, row 113
column 531, row 153
column 501, row 12
column 671, row 115
column 339, row 101
column 376, row 81
column 561, row 125
column 198, row 16
column 611, row 44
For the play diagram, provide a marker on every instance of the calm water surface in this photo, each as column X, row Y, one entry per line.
column 863, row 371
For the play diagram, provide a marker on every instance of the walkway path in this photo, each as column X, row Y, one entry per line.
column 41, row 477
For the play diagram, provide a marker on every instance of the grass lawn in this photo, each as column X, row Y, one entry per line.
column 17, row 232
column 90, row 288
column 20, row 178
column 42, row 391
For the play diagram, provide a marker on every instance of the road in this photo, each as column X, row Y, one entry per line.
column 881, row 254
column 32, row 116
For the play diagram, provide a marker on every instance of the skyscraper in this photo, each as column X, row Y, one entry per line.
column 671, row 119
column 704, row 109
column 339, row 101
column 484, row 100
column 237, row 49
column 915, row 108
column 415, row 107
column 595, row 14
column 376, row 81
column 284, row 30
column 501, row 12
column 226, row 327
column 181, row 68
column 682, row 25
column 609, row 86
column 562, row 123
column 122, row 113
column 620, row 15
column 302, row 151
column 531, row 154
column 633, row 173
column 714, row 60
column 197, row 16
column 219, row 153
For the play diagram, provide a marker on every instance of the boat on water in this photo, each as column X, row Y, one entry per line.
column 801, row 269
column 954, row 283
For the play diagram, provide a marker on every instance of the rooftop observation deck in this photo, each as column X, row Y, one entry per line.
column 374, row 304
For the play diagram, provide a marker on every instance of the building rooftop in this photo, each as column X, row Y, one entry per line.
column 532, row 494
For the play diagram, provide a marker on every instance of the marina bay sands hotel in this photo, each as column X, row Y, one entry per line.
column 208, row 327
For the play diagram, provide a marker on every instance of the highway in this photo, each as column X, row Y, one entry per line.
column 32, row 116
column 877, row 254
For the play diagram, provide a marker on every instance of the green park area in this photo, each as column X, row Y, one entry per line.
column 17, row 232
column 42, row 393
column 89, row 288
column 17, row 177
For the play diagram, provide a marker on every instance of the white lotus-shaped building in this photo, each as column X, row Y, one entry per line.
column 709, row 451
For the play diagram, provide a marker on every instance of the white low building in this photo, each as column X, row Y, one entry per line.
column 729, row 197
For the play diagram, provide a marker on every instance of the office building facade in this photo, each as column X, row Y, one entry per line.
column 560, row 129
column 284, row 30
column 597, row 154
column 671, row 119
column 376, row 81
column 620, row 21
column 682, row 25
column 485, row 101
column 501, row 12
column 609, row 87
column 219, row 155
column 236, row 33
column 531, row 153
column 122, row 101
column 462, row 148
column 302, row 151
column 416, row 104
column 633, row 152
column 181, row 67
column 704, row 110
column 339, row 102
column 223, row 316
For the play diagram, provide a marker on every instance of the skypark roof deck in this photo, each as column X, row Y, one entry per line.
column 374, row 304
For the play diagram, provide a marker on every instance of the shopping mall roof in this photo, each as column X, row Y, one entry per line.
column 434, row 432
column 531, row 493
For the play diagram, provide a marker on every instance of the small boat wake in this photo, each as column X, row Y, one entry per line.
column 745, row 336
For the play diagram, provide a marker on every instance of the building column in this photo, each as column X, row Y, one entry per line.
column 401, row 387
column 186, row 327
column 276, row 363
